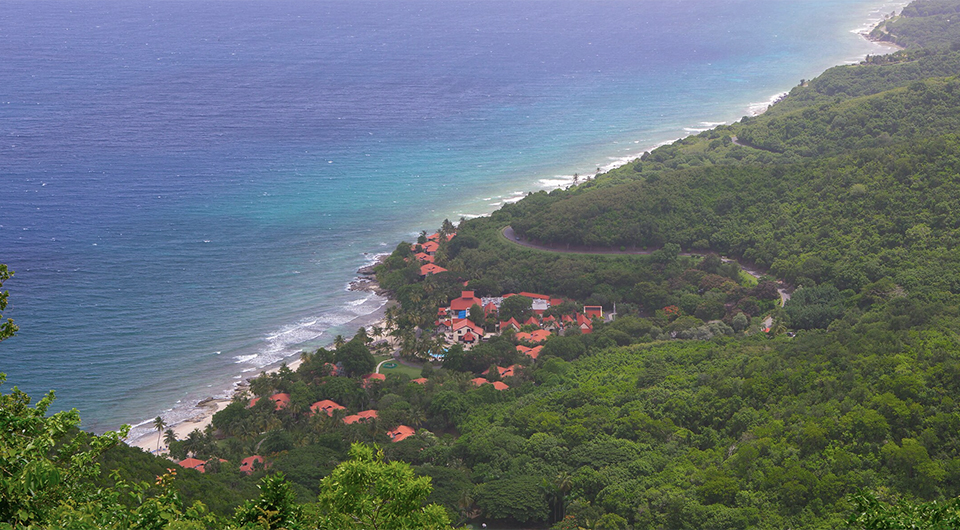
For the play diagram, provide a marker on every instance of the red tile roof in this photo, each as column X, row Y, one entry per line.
column 360, row 416
column 507, row 323
column 535, row 295
column 246, row 465
column 430, row 247
column 402, row 432
column 479, row 381
column 465, row 302
column 500, row 385
column 430, row 269
column 593, row 311
column 326, row 406
column 282, row 400
column 192, row 463
column 468, row 337
column 539, row 335
column 424, row 257
column 533, row 353
column 419, row 380
column 433, row 237
column 372, row 377
column 532, row 321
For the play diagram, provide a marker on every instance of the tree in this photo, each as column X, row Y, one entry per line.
column 515, row 307
column 35, row 479
column 368, row 492
column 159, row 425
column 7, row 329
column 355, row 357
column 477, row 316
column 275, row 509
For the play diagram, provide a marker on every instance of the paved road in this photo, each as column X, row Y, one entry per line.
column 582, row 249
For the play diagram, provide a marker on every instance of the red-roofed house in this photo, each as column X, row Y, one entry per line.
column 430, row 247
column 434, row 237
column 550, row 323
column 468, row 338
column 367, row 379
column 534, row 337
column 593, row 311
column 534, row 352
column 462, row 328
column 281, row 401
column 479, row 381
column 192, row 463
column 555, row 301
column 585, row 324
column 402, row 432
column 512, row 323
column 450, row 236
column 504, row 372
column 419, row 380
column 490, row 308
column 532, row 321
column 460, row 307
column 535, row 295
column 246, row 465
column 430, row 269
column 500, row 385
column 424, row 257
column 523, row 349
column 360, row 416
column 326, row 406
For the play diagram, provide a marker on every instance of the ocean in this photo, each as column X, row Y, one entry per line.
column 187, row 187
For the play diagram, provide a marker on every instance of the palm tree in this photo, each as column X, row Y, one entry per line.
column 339, row 341
column 159, row 425
column 169, row 437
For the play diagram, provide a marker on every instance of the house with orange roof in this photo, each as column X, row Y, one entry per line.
column 192, row 463
column 424, row 257
column 500, row 385
column 512, row 323
column 369, row 378
column 479, row 381
column 460, row 307
column 535, row 295
column 532, row 321
column 360, row 416
column 247, row 464
column 504, row 372
column 430, row 247
column 533, row 337
column 281, row 401
column 534, row 352
column 326, row 406
column 462, row 328
column 434, row 237
column 430, row 269
column 402, row 432
column 549, row 323
column 490, row 309
column 419, row 380
column 593, row 311
column 585, row 324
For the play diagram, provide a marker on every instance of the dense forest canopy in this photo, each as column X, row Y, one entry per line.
column 704, row 404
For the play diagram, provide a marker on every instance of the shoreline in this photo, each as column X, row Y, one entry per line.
column 206, row 408
column 364, row 282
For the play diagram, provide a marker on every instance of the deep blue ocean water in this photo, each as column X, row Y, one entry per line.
column 187, row 187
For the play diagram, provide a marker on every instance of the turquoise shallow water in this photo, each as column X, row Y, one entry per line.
column 189, row 186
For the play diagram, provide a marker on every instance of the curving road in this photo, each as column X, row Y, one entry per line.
column 511, row 236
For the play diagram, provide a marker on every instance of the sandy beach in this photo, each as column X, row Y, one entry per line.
column 208, row 408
